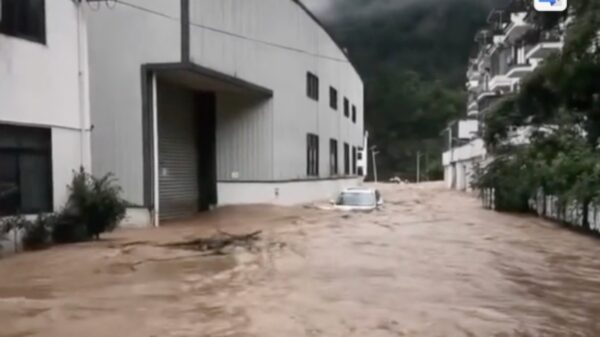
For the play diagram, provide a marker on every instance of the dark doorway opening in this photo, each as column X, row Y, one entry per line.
column 205, row 106
column 187, row 151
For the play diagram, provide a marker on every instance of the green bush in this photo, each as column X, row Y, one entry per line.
column 69, row 229
column 37, row 233
column 8, row 224
column 94, row 203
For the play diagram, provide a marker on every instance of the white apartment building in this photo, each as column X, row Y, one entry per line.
column 510, row 48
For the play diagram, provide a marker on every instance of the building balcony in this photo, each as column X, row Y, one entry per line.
column 517, row 27
column 475, row 149
column 472, row 85
column 485, row 94
column 472, row 108
column 518, row 70
column 543, row 49
column 473, row 73
column 500, row 83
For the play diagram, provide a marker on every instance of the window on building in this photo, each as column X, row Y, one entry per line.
column 312, row 86
column 312, row 155
column 353, row 114
column 354, row 160
column 346, row 159
column 333, row 157
column 346, row 107
column 359, row 156
column 333, row 98
column 24, row 19
column 25, row 170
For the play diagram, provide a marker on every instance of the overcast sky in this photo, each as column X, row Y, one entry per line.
column 356, row 8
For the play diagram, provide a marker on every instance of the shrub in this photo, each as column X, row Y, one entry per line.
column 11, row 223
column 37, row 233
column 95, row 203
column 69, row 229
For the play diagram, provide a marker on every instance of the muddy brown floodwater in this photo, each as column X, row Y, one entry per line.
column 432, row 263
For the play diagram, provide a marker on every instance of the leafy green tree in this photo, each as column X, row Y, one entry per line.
column 413, row 58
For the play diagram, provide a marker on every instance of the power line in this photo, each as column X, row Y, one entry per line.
column 239, row 36
column 148, row 10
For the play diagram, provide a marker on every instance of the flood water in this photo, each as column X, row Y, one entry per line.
column 432, row 264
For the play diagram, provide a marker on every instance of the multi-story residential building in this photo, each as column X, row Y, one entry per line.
column 509, row 49
column 197, row 103
column 44, row 105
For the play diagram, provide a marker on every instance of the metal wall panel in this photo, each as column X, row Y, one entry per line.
column 274, row 43
column 121, row 40
column 178, row 153
column 244, row 137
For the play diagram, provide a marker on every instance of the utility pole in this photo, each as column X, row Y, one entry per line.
column 426, row 166
column 419, row 155
column 374, row 153
column 418, row 167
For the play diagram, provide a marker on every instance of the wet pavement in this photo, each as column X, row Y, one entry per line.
column 432, row 263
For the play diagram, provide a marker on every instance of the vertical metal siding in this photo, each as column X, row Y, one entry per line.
column 284, row 23
column 178, row 154
column 115, row 82
column 244, row 137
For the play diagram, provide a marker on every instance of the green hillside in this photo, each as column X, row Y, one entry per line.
column 413, row 60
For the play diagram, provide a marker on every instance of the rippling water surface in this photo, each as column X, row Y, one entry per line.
column 432, row 263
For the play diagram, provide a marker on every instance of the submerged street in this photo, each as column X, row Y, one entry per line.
column 431, row 263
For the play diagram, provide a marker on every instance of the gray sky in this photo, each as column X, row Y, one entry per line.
column 357, row 8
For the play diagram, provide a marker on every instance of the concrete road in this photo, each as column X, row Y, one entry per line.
column 432, row 263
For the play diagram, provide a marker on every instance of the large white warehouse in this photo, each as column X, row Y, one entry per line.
column 199, row 103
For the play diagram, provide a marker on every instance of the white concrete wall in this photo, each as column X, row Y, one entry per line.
column 274, row 43
column 474, row 149
column 39, row 86
column 467, row 129
column 282, row 193
column 460, row 176
column 459, row 164
column 136, row 218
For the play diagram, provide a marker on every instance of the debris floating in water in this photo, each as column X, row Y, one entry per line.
column 216, row 244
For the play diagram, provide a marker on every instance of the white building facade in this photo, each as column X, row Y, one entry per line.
column 509, row 49
column 44, row 105
column 201, row 103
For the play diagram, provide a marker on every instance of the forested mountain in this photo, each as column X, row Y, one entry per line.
column 413, row 57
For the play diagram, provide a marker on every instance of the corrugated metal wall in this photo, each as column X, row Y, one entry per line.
column 244, row 137
column 178, row 152
column 274, row 43
column 121, row 40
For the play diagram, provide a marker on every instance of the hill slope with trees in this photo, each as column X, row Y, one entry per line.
column 413, row 60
